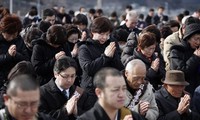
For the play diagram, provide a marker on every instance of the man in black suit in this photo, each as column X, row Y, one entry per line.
column 111, row 92
column 59, row 97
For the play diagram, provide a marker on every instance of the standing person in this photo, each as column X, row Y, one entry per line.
column 98, row 52
column 160, row 17
column 140, row 95
column 173, row 102
column 149, row 18
column 111, row 92
column 59, row 97
column 46, row 50
column 22, row 99
column 12, row 47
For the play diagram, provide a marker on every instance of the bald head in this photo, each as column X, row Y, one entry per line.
column 134, row 65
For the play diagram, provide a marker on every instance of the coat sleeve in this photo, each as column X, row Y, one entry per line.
column 58, row 114
column 173, row 115
column 152, row 113
column 41, row 65
column 128, row 50
column 89, row 65
column 177, row 62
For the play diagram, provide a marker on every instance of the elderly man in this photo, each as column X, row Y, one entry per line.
column 111, row 93
column 140, row 96
column 22, row 100
column 173, row 102
column 129, row 25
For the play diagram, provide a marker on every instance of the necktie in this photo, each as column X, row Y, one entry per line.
column 65, row 93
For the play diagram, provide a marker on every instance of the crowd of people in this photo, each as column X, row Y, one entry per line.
column 88, row 66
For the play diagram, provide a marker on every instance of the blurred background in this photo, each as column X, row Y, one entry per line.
column 172, row 7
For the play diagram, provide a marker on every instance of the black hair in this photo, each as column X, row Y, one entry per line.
column 101, row 75
column 63, row 63
column 22, row 82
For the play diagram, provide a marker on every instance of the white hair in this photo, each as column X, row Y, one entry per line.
column 135, row 63
column 131, row 14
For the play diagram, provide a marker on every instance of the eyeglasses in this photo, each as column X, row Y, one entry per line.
column 68, row 76
column 24, row 105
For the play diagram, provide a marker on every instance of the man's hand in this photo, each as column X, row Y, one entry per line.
column 71, row 105
column 59, row 55
column 184, row 104
column 143, row 107
column 128, row 117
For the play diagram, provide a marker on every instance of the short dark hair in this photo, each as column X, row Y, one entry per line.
column 31, row 34
column 80, row 19
column 151, row 10
column 48, row 12
column 72, row 29
column 146, row 39
column 63, row 63
column 23, row 67
column 23, row 82
column 56, row 35
column 165, row 31
column 11, row 24
column 153, row 29
column 173, row 23
column 186, row 12
column 101, row 75
column 101, row 25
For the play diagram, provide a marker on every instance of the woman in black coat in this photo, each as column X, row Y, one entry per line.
column 47, row 50
column 186, row 57
column 146, row 52
column 12, row 47
column 98, row 52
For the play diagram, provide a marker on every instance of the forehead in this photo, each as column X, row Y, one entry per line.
column 138, row 70
column 115, row 81
column 69, row 70
column 29, row 95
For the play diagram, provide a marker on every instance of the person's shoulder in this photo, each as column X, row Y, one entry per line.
column 42, row 116
column 89, row 115
column 136, row 116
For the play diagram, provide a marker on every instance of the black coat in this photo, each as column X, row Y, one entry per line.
column 43, row 59
column 7, row 62
column 92, row 58
column 152, row 76
column 53, row 101
column 131, row 44
column 182, row 58
column 168, row 105
column 98, row 113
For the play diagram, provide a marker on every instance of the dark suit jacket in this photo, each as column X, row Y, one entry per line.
column 53, row 101
column 168, row 105
column 98, row 113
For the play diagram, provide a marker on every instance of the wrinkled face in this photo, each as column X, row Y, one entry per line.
column 136, row 77
column 131, row 23
column 175, row 90
column 24, row 106
column 148, row 51
column 101, row 37
column 51, row 19
column 194, row 41
column 114, row 93
column 66, row 78
column 73, row 38
column 9, row 37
